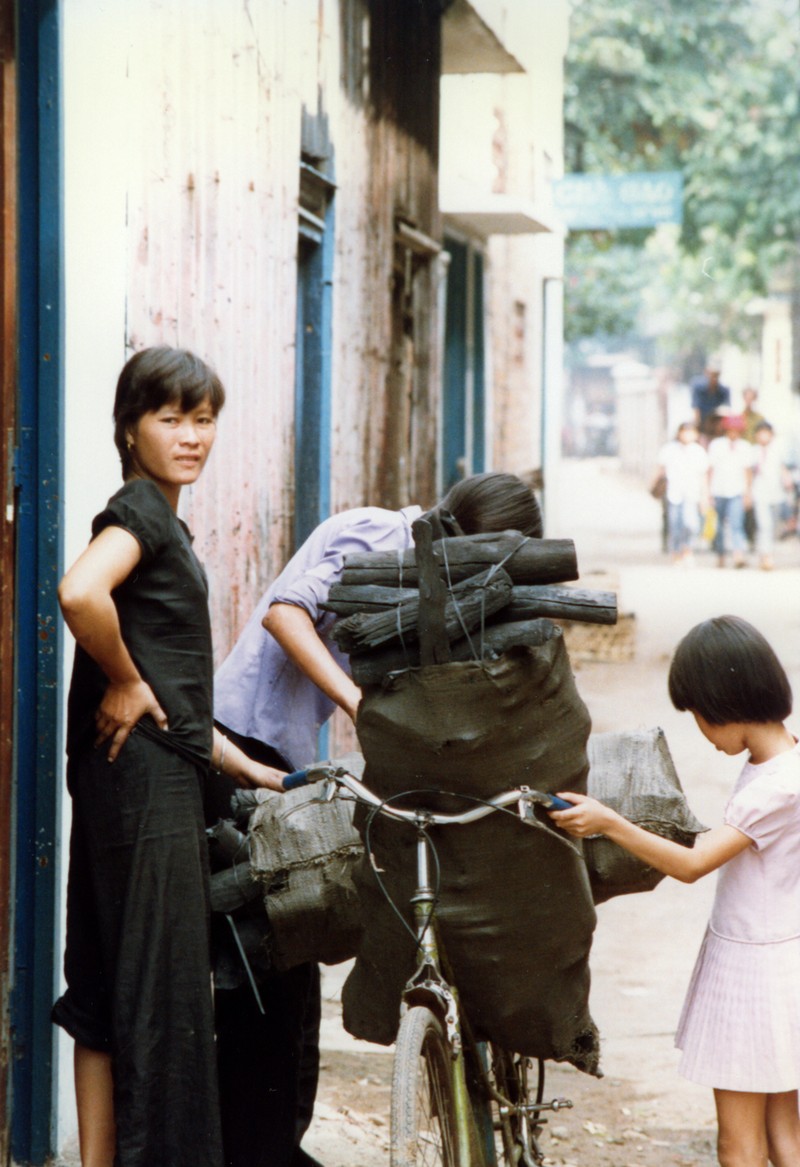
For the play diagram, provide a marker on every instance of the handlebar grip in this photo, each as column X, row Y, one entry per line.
column 556, row 803
column 295, row 779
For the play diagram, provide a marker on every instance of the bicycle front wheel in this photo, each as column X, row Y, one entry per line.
column 423, row 1109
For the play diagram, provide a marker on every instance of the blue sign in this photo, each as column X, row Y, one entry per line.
column 597, row 202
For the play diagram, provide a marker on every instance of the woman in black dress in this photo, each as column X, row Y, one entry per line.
column 138, row 997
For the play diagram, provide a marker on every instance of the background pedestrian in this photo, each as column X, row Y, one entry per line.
column 729, row 461
column 770, row 480
column 684, row 464
column 708, row 395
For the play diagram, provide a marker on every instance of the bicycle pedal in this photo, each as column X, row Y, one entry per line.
column 561, row 1104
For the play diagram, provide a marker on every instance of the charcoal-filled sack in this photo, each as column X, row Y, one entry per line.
column 304, row 852
column 633, row 773
column 515, row 907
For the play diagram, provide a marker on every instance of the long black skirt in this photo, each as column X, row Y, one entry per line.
column 137, row 961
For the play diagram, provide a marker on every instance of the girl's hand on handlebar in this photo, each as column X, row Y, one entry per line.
column 587, row 816
column 124, row 704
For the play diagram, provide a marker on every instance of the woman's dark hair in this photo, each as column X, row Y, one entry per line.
column 726, row 671
column 161, row 376
column 494, row 502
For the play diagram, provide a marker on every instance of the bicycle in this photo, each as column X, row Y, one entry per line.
column 451, row 1096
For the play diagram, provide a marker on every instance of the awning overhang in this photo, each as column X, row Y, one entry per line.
column 496, row 215
column 469, row 45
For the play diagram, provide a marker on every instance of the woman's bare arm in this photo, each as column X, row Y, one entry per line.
column 227, row 757
column 294, row 631
column 85, row 596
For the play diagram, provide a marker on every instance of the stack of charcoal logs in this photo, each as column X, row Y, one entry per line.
column 455, row 597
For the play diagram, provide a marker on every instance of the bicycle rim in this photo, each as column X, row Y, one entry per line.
column 423, row 1120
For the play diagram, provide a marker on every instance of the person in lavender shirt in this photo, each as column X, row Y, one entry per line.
column 277, row 688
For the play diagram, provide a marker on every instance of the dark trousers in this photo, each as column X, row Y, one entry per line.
column 268, row 1063
column 268, row 1067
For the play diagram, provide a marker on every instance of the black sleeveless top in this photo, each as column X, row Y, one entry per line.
column 163, row 615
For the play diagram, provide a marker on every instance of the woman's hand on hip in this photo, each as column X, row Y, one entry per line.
column 124, row 704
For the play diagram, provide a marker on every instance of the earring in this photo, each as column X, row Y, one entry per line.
column 129, row 445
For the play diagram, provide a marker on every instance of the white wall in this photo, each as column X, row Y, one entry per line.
column 95, row 137
column 502, row 135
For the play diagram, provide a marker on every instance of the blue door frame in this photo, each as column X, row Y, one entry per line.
column 313, row 388
column 39, row 559
column 312, row 406
column 464, row 390
column 312, row 457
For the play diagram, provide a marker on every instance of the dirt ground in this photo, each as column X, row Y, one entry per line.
column 641, row 1113
column 608, row 1126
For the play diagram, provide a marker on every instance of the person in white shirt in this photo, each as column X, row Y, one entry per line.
column 730, row 458
column 769, row 482
column 684, row 464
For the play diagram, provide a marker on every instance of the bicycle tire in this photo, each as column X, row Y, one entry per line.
column 423, row 1117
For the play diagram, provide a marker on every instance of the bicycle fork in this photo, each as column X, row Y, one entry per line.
column 428, row 987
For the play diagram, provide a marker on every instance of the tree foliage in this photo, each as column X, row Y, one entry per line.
column 708, row 87
column 605, row 283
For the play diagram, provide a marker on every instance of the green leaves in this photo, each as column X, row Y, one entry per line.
column 710, row 87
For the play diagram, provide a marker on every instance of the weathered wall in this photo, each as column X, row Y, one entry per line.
column 211, row 111
column 386, row 169
column 212, row 237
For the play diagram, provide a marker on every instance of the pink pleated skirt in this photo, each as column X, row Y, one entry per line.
column 740, row 1025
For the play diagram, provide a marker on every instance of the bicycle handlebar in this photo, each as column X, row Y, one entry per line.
column 295, row 779
column 339, row 776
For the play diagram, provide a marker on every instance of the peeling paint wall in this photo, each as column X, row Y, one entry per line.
column 211, row 108
column 214, row 136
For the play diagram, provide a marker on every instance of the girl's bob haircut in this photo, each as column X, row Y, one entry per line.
column 160, row 376
column 494, row 502
column 727, row 672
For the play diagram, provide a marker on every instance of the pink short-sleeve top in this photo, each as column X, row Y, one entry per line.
column 758, row 891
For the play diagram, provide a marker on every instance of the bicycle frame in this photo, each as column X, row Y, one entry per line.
column 427, row 986
column 430, row 988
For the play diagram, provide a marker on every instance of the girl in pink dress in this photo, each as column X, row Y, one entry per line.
column 739, row 1031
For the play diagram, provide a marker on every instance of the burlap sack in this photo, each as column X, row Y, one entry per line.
column 304, row 852
column 633, row 773
column 515, row 906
